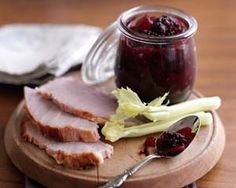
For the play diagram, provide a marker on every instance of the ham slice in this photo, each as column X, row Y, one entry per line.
column 75, row 97
column 74, row 155
column 57, row 124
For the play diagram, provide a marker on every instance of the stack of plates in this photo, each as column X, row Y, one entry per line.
column 33, row 53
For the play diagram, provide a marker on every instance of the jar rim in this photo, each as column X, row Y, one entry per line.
column 192, row 23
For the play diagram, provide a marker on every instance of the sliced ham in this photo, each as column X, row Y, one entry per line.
column 75, row 97
column 57, row 124
column 71, row 154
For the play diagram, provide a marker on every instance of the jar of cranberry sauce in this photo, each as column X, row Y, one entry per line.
column 149, row 49
column 156, row 53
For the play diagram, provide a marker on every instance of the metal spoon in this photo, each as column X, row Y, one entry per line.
column 192, row 122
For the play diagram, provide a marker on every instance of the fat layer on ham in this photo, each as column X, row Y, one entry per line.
column 75, row 97
column 55, row 123
column 71, row 154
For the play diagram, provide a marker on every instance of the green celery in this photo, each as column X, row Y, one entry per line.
column 114, row 131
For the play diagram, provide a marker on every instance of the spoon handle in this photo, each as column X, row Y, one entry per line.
column 120, row 179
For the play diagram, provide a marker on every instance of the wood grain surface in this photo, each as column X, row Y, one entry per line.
column 192, row 164
column 216, row 45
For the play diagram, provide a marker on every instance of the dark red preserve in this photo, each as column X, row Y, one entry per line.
column 168, row 144
column 156, row 55
column 171, row 144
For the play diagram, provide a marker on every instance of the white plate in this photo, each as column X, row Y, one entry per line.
column 30, row 51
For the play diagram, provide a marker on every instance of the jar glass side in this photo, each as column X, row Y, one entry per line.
column 152, row 66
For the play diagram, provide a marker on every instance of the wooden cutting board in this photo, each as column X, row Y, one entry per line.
column 186, row 168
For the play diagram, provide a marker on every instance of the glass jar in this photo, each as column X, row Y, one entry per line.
column 149, row 65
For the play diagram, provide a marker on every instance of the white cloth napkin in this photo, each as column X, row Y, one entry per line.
column 30, row 51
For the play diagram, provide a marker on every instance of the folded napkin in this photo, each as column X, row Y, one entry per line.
column 32, row 52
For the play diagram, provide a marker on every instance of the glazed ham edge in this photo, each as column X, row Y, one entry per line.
column 70, row 109
column 74, row 161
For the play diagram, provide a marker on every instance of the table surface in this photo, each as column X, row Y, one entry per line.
column 216, row 46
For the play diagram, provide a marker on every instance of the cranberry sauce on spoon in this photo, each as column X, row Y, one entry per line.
column 170, row 144
column 174, row 141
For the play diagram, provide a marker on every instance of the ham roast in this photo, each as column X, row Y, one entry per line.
column 55, row 123
column 74, row 155
column 84, row 101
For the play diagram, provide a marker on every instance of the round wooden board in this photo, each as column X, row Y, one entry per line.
column 187, row 167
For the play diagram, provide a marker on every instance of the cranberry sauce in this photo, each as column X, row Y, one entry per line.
column 168, row 144
column 153, row 69
column 171, row 144
column 148, row 146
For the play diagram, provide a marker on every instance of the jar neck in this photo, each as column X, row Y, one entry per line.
column 141, row 10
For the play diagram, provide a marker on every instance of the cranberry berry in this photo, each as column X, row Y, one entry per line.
column 142, row 24
column 150, row 141
column 158, row 26
column 188, row 134
column 171, row 144
column 168, row 26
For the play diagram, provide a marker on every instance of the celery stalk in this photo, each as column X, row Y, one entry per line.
column 113, row 131
column 130, row 105
column 188, row 107
column 161, row 115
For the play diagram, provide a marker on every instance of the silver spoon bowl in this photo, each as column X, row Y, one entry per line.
column 192, row 122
